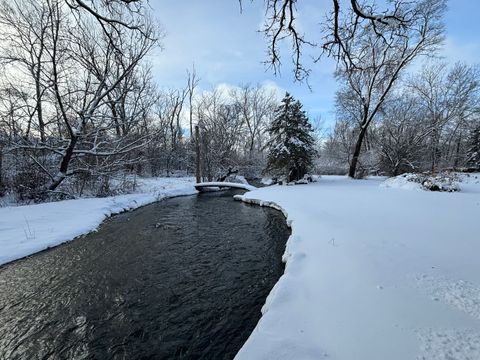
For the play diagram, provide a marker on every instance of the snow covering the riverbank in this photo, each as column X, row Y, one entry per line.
column 27, row 229
column 373, row 273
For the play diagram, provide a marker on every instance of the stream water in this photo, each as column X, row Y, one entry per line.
column 184, row 278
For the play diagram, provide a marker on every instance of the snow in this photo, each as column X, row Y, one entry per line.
column 373, row 272
column 297, row 142
column 404, row 181
column 220, row 184
column 27, row 229
column 267, row 181
column 469, row 182
column 446, row 181
column 241, row 179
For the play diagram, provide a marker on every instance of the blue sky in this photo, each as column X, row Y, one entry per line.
column 226, row 47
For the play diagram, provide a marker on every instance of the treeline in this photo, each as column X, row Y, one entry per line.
column 75, row 93
column 231, row 130
column 80, row 112
column 430, row 122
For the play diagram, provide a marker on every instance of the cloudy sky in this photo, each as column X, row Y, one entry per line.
column 227, row 48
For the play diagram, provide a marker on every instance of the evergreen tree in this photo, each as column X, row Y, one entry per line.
column 473, row 155
column 291, row 145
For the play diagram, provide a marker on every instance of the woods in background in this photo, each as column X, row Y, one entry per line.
column 80, row 112
column 429, row 123
column 74, row 94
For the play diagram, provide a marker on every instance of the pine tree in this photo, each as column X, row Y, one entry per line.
column 473, row 154
column 291, row 145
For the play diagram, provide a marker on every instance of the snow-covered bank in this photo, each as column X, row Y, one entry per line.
column 446, row 181
column 373, row 273
column 27, row 229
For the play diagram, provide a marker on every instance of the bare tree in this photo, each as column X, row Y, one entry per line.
column 232, row 125
column 192, row 83
column 106, row 13
column 92, row 93
column 107, row 60
column 281, row 24
column 257, row 106
column 401, row 135
column 221, row 125
column 427, row 124
column 376, row 56
column 449, row 97
column 23, row 41
column 176, row 102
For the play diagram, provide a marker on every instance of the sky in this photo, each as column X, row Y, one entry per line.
column 228, row 50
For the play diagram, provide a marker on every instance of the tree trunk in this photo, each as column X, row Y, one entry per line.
column 41, row 124
column 191, row 120
column 114, row 115
column 229, row 172
column 198, row 173
column 356, row 152
column 250, row 148
column 62, row 174
column 1, row 171
column 435, row 149
column 457, row 153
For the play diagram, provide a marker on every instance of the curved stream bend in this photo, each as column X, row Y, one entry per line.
column 183, row 278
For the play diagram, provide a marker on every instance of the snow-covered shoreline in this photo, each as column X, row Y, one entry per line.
column 27, row 229
column 372, row 273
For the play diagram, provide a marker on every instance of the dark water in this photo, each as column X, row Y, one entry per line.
column 184, row 278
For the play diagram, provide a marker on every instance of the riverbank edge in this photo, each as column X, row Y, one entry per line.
column 144, row 199
column 285, row 257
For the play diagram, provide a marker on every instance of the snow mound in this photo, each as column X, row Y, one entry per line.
column 240, row 179
column 447, row 182
column 267, row 181
column 404, row 181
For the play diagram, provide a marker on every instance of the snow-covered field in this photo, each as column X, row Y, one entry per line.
column 374, row 273
column 27, row 229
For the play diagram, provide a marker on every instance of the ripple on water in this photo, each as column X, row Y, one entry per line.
column 183, row 278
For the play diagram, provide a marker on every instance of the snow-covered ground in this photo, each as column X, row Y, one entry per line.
column 27, row 229
column 373, row 273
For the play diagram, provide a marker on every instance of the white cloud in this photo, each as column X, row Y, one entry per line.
column 272, row 86
column 455, row 50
